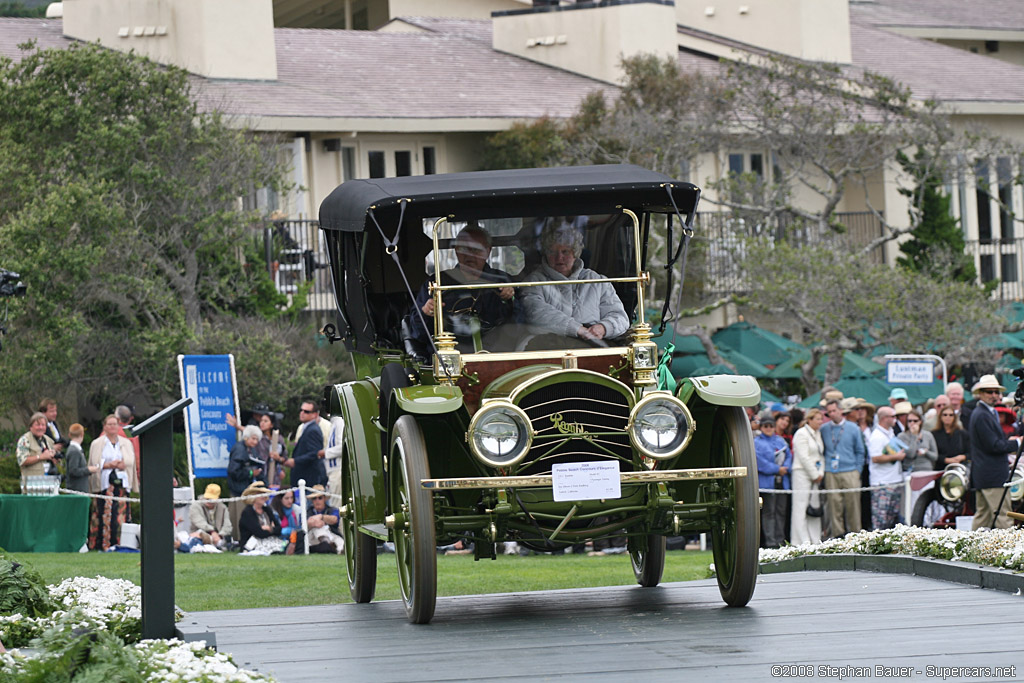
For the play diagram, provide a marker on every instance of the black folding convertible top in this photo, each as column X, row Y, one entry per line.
column 568, row 190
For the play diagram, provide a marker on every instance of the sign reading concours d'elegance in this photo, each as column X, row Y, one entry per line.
column 210, row 382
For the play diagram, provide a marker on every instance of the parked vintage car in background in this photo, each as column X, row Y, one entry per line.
column 512, row 431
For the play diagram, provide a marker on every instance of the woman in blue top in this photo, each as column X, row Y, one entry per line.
column 288, row 513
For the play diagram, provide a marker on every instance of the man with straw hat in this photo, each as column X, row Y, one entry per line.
column 210, row 519
column 989, row 464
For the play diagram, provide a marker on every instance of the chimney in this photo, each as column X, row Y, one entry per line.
column 589, row 39
column 213, row 38
column 817, row 30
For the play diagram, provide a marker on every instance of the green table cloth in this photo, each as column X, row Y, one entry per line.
column 43, row 524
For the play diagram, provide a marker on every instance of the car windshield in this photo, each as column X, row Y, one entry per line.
column 487, row 271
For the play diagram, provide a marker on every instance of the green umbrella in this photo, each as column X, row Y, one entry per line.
column 1013, row 311
column 686, row 366
column 853, row 364
column 767, row 348
column 1004, row 341
column 684, row 343
column 875, row 390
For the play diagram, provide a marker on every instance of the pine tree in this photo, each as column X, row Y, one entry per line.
column 936, row 247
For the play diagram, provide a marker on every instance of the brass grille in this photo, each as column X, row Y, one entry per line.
column 576, row 422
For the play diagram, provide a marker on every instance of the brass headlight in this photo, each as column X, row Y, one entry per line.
column 953, row 483
column 660, row 426
column 500, row 434
column 447, row 366
column 645, row 356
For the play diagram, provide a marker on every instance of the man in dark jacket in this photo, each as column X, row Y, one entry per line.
column 307, row 458
column 989, row 464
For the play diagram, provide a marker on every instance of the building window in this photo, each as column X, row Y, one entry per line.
column 984, row 216
column 429, row 160
column 376, row 159
column 348, row 163
column 736, row 164
column 988, row 272
column 403, row 163
column 1004, row 175
column 1008, row 267
column 757, row 165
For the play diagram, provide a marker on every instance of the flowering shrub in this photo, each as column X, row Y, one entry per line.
column 993, row 547
column 93, row 634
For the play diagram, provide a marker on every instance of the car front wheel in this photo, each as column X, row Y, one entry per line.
column 647, row 554
column 736, row 528
column 414, row 532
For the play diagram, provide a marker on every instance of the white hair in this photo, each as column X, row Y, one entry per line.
column 251, row 431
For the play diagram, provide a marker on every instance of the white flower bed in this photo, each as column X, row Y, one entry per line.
column 114, row 607
column 993, row 547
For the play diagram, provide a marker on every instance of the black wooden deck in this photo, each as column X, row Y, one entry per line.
column 678, row 631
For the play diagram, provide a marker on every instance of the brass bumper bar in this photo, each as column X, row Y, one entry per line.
column 544, row 480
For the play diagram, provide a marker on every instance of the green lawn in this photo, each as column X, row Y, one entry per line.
column 229, row 581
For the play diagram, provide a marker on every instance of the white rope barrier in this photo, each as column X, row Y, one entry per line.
column 182, row 503
column 877, row 487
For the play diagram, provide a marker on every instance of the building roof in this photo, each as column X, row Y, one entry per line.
column 989, row 15
column 933, row 70
column 473, row 29
column 335, row 79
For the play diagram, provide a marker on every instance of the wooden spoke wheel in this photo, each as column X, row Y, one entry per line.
column 360, row 549
column 414, row 533
column 647, row 554
column 736, row 531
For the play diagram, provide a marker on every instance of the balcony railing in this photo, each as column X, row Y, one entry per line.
column 295, row 254
column 720, row 238
column 1001, row 259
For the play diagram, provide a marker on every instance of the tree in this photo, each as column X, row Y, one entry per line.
column 524, row 145
column 121, row 214
column 846, row 302
column 936, row 247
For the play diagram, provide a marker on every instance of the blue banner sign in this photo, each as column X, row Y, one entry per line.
column 210, row 382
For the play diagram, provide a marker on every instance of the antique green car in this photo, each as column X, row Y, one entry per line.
column 497, row 422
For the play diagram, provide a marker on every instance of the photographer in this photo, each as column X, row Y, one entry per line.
column 244, row 467
column 36, row 453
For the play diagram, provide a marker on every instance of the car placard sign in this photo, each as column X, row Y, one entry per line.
column 586, row 480
column 909, row 372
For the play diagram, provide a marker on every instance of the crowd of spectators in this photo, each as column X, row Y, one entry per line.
column 843, row 466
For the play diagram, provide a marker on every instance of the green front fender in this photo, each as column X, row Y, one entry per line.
column 427, row 399
column 721, row 390
column 358, row 403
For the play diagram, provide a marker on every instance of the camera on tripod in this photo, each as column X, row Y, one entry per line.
column 11, row 284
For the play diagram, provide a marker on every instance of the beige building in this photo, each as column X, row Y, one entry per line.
column 417, row 85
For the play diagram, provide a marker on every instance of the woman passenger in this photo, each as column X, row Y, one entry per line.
column 588, row 311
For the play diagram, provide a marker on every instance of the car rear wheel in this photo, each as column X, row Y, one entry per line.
column 414, row 532
column 360, row 549
column 736, row 530
column 647, row 554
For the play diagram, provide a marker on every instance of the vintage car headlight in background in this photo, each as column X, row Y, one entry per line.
column 953, row 482
column 500, row 434
column 1016, row 491
column 660, row 426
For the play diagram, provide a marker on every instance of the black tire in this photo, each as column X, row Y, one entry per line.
column 647, row 555
column 414, row 533
column 360, row 549
column 735, row 535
